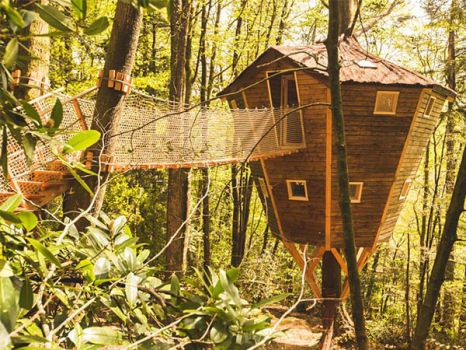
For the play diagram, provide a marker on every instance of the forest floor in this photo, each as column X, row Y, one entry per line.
column 302, row 330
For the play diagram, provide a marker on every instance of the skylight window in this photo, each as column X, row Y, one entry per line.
column 366, row 64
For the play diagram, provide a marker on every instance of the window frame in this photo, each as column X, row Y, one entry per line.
column 405, row 188
column 433, row 99
column 291, row 197
column 380, row 93
column 360, row 185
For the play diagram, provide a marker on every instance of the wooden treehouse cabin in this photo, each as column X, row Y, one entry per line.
column 390, row 114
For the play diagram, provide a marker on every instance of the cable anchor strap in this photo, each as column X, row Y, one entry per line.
column 116, row 80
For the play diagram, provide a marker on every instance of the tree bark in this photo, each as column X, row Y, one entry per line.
column 448, row 311
column 178, row 179
column 38, row 50
column 333, row 70
column 445, row 247
column 331, row 290
column 120, row 57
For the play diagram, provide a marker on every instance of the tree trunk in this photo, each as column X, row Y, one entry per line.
column 448, row 314
column 178, row 179
column 36, row 47
column 331, row 290
column 120, row 57
column 444, row 249
column 343, row 181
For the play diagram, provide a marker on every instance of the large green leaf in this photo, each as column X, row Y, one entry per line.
column 101, row 336
column 11, row 53
column 131, row 289
column 54, row 17
column 102, row 268
column 97, row 27
column 8, row 303
column 81, row 141
column 28, row 220
column 11, row 203
column 39, row 247
column 5, row 340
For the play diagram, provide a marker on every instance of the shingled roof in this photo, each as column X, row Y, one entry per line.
column 357, row 65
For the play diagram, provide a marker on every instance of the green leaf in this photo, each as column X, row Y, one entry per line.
column 271, row 300
column 57, row 115
column 10, row 217
column 54, row 17
column 32, row 113
column 39, row 247
column 11, row 53
column 4, row 155
column 5, row 340
column 97, row 27
column 80, row 180
column 14, row 16
column 175, row 285
column 29, row 339
column 159, row 3
column 102, row 268
column 233, row 274
column 12, row 203
column 131, row 289
column 28, row 219
column 218, row 333
column 80, row 8
column 26, row 296
column 8, row 304
column 29, row 145
column 101, row 336
column 81, row 141
column 117, row 225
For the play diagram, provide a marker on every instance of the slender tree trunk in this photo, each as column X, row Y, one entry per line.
column 205, row 171
column 370, row 284
column 120, row 57
column 445, row 247
column 178, row 179
column 343, row 181
column 407, row 290
column 37, row 47
column 448, row 314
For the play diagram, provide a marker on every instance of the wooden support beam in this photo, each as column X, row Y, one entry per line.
column 363, row 257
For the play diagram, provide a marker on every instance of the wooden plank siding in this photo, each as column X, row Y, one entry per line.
column 374, row 146
column 420, row 134
column 377, row 156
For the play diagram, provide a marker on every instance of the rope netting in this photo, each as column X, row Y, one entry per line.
column 155, row 134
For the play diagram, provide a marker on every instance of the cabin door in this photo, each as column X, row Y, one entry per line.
column 292, row 127
column 284, row 96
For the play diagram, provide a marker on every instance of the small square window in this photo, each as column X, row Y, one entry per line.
column 355, row 189
column 263, row 187
column 386, row 102
column 405, row 189
column 429, row 107
column 297, row 190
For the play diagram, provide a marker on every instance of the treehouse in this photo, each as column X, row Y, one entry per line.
column 390, row 114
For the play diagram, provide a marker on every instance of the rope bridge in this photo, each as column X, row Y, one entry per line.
column 152, row 134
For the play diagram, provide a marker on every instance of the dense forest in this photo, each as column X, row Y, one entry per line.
column 186, row 257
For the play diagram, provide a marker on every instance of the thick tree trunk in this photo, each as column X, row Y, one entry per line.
column 445, row 247
column 38, row 48
column 331, row 290
column 178, row 179
column 120, row 57
column 343, row 180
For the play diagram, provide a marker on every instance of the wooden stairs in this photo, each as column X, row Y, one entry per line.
column 40, row 186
